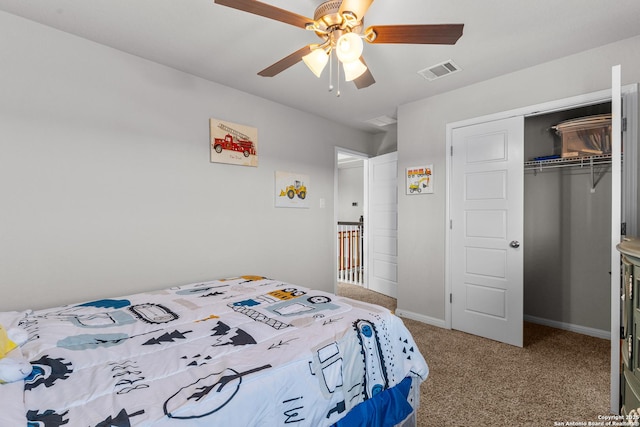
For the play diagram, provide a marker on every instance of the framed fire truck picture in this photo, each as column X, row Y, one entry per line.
column 292, row 190
column 420, row 179
column 233, row 143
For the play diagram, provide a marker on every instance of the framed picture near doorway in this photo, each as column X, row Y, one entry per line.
column 419, row 179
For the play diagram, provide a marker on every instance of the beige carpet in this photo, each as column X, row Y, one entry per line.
column 558, row 377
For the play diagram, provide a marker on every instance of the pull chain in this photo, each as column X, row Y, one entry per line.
column 338, row 72
column 338, row 77
column 331, row 74
column 330, row 71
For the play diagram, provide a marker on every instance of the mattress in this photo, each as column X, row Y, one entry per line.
column 245, row 351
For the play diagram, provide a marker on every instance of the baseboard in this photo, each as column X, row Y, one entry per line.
column 421, row 318
column 584, row 330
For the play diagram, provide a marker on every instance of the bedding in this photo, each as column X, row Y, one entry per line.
column 246, row 351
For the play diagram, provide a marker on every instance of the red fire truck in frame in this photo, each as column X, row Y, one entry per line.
column 229, row 143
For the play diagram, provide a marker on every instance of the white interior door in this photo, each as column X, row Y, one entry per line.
column 616, row 202
column 382, row 225
column 486, row 206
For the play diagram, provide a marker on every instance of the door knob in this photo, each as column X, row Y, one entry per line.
column 514, row 244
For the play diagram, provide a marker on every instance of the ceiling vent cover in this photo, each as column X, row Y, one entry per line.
column 382, row 121
column 439, row 70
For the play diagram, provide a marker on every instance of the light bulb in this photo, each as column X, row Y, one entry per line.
column 349, row 47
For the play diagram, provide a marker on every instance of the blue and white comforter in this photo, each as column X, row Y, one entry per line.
column 247, row 351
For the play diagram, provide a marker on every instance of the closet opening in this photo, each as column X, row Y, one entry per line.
column 567, row 216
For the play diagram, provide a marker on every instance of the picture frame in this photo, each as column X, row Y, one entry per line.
column 291, row 190
column 419, row 179
column 233, row 143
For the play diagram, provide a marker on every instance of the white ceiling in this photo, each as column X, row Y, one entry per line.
column 228, row 46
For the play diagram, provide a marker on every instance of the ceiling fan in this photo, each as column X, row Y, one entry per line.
column 340, row 26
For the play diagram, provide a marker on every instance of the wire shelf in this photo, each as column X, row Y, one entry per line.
column 576, row 162
column 586, row 161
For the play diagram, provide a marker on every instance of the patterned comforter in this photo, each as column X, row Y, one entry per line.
column 246, row 351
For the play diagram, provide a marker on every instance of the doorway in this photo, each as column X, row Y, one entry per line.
column 350, row 195
column 379, row 228
column 567, row 212
column 351, row 179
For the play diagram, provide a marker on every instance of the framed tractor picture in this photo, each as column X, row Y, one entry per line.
column 292, row 190
column 420, row 179
column 233, row 143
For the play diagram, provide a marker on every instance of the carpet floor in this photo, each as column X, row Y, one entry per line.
column 557, row 378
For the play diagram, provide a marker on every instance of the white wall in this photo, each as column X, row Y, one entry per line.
column 106, row 185
column 387, row 140
column 422, row 139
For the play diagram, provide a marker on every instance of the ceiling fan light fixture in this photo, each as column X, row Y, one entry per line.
column 349, row 47
column 316, row 61
column 353, row 69
column 340, row 26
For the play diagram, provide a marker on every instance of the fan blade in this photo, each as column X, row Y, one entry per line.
column 285, row 63
column 268, row 11
column 416, row 34
column 366, row 79
column 357, row 7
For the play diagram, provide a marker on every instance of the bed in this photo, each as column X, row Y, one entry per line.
column 245, row 351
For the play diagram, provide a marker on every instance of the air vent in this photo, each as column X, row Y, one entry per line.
column 382, row 121
column 439, row 70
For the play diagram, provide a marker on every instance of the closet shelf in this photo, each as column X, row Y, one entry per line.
column 588, row 161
